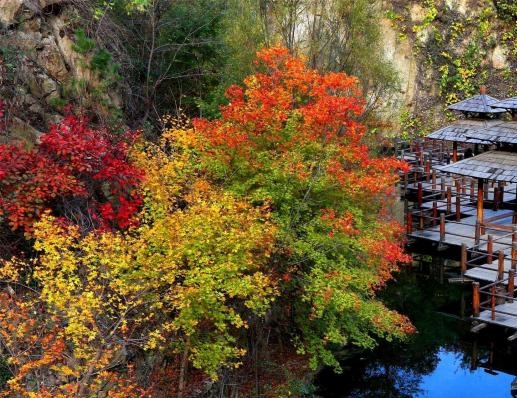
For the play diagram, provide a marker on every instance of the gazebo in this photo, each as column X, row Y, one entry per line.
column 480, row 113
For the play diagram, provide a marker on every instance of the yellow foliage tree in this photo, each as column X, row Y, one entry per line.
column 183, row 281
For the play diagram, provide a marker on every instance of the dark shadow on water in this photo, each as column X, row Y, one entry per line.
column 442, row 358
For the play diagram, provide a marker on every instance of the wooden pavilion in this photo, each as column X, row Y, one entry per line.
column 483, row 189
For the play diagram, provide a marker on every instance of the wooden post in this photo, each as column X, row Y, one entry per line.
column 479, row 211
column 513, row 264
column 455, row 151
column 428, row 169
column 449, row 200
column 489, row 249
column 463, row 185
column 442, row 187
column 500, row 265
column 442, row 227
column 511, row 284
column 433, row 181
column 435, row 213
column 421, row 220
column 501, row 194
column 463, row 261
column 420, row 195
column 475, row 299
column 495, row 203
column 458, row 208
column 485, row 191
column 409, row 222
column 477, row 233
column 492, row 303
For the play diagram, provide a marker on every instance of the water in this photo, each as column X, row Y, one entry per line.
column 444, row 359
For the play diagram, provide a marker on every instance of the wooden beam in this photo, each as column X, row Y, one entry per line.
column 455, row 151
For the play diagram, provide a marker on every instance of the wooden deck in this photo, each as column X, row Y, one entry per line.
column 505, row 315
column 444, row 212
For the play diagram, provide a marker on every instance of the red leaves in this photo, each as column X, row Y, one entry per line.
column 77, row 172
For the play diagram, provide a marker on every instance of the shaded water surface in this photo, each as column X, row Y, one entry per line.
column 442, row 360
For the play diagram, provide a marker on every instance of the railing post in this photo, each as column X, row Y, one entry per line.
column 463, row 261
column 489, row 249
column 475, row 299
column 433, row 181
column 420, row 195
column 511, row 284
column 514, row 256
column 463, row 185
column 449, row 200
column 500, row 265
column 435, row 213
column 421, row 220
column 458, row 208
column 409, row 225
column 501, row 194
column 442, row 227
column 492, row 303
column 496, row 199
column 477, row 233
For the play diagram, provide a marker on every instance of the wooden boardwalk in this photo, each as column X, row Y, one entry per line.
column 504, row 315
column 444, row 212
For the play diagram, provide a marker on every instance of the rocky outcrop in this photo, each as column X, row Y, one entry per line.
column 40, row 71
column 444, row 50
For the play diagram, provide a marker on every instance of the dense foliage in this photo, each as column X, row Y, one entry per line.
column 274, row 216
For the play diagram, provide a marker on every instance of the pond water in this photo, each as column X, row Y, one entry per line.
column 444, row 359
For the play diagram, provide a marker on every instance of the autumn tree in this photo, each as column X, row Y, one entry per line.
column 179, row 284
column 290, row 138
column 80, row 173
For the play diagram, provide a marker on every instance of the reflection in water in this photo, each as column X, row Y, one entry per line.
column 442, row 360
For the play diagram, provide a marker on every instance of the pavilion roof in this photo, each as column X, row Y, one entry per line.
column 481, row 103
column 503, row 132
column 492, row 165
column 509, row 103
column 463, row 130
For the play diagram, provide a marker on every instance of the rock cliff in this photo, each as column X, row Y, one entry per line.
column 43, row 69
